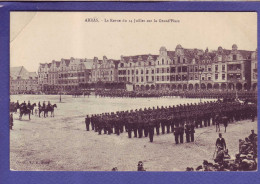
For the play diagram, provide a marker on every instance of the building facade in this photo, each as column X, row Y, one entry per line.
column 22, row 81
column 178, row 69
column 65, row 75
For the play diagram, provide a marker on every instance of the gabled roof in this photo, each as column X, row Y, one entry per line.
column 171, row 54
column 143, row 57
column 246, row 54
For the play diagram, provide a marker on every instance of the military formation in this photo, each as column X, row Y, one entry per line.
column 209, row 94
column 179, row 120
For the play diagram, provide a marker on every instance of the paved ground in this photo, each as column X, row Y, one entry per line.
column 61, row 143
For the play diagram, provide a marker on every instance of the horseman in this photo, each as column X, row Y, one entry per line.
column 29, row 104
column 39, row 104
column 43, row 105
column 49, row 105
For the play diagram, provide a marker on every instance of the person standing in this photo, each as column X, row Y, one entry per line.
column 221, row 142
column 176, row 133
column 181, row 131
column 187, row 132
column 192, row 131
column 11, row 121
column 151, row 128
column 87, row 122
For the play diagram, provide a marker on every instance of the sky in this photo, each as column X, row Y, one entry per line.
column 40, row 37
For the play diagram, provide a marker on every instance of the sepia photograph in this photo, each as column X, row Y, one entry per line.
column 133, row 91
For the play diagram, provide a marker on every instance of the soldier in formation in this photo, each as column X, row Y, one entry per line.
column 179, row 120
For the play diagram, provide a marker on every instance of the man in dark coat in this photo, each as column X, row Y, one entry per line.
column 151, row 128
column 221, row 142
column 176, row 133
column 11, row 121
column 87, row 122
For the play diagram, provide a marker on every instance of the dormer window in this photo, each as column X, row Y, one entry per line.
column 234, row 57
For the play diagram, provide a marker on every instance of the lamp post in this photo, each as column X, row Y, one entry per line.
column 200, row 72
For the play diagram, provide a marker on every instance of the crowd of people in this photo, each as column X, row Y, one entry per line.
column 209, row 94
column 178, row 119
column 245, row 160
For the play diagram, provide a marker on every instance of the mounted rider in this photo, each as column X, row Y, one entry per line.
column 49, row 105
column 29, row 104
column 43, row 105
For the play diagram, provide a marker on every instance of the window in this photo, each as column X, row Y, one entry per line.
column 147, row 71
column 168, row 70
column 137, row 79
column 133, row 72
column 152, row 71
column 152, row 78
column 139, row 63
column 162, row 61
column 234, row 57
column 162, row 78
column 158, row 62
column 168, row 78
column 146, row 78
column 196, row 69
column 162, row 70
column 183, row 60
column 142, row 79
column 132, row 79
column 172, row 69
column 179, row 69
column 209, row 69
column 223, row 76
column 150, row 63
column 157, row 78
column 223, row 68
column 122, row 65
column 142, row 72
column 216, row 76
column 179, row 59
column 157, row 70
column 136, row 72
column 128, row 72
column 216, row 68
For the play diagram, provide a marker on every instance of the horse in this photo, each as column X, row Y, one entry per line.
column 51, row 109
column 13, row 107
column 42, row 109
column 31, row 107
column 221, row 120
column 24, row 111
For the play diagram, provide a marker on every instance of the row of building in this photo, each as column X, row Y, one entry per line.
column 180, row 69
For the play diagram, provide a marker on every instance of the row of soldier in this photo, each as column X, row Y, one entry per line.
column 178, row 119
column 209, row 94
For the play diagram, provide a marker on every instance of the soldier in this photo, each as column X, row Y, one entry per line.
column 92, row 122
column 135, row 124
column 157, row 123
column 140, row 126
column 187, row 132
column 168, row 123
column 11, row 121
column 181, row 132
column 176, row 133
column 146, row 126
column 163, row 122
column 151, row 128
column 129, row 126
column 192, row 131
column 87, row 122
